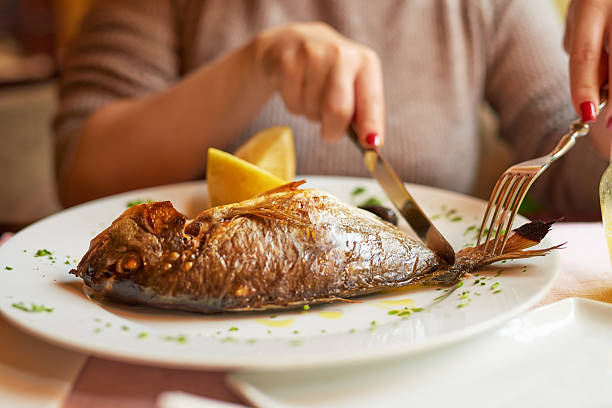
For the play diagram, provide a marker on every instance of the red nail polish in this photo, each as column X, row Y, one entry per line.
column 373, row 139
column 587, row 111
column 609, row 123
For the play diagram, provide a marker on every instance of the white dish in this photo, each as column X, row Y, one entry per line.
column 556, row 356
column 324, row 335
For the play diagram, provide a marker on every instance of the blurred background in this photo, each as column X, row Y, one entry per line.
column 33, row 37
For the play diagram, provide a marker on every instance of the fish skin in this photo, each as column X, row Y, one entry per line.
column 283, row 249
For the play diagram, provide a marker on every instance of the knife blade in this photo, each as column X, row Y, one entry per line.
column 402, row 200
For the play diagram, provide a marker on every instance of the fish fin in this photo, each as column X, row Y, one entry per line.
column 284, row 188
column 523, row 254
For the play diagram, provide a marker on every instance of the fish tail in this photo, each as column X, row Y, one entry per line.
column 472, row 258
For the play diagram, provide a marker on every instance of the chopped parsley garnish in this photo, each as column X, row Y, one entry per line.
column 125, row 328
column 323, row 331
column 460, row 284
column 296, row 332
column 358, row 190
column 373, row 323
column 33, row 308
column 295, row 343
column 233, row 328
column 352, row 331
column 456, row 219
column 393, row 312
column 272, row 316
column 43, row 252
column 469, row 229
column 66, row 262
column 460, row 305
column 143, row 335
column 494, row 286
column 138, row 202
column 252, row 341
column 306, row 307
column 495, row 292
column 417, row 309
column 9, row 268
column 404, row 313
column 181, row 338
column 371, row 201
column 228, row 339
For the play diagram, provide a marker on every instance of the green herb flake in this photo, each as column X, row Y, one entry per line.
column 66, row 262
column 495, row 292
column 323, row 331
column 233, row 328
column 482, row 283
column 439, row 297
column 393, row 312
column 107, row 325
column 43, row 252
column 97, row 330
column 371, row 201
column 296, row 343
column 269, row 331
column 9, row 268
column 228, row 339
column 456, row 219
column 125, row 328
column 358, row 190
column 138, row 201
column 296, row 332
column 417, row 309
column 252, row 341
column 180, row 339
column 34, row 308
column 460, row 305
column 352, row 331
column 404, row 313
column 435, row 217
column 499, row 273
column 306, row 307
column 469, row 229
column 97, row 319
column 273, row 317
column 460, row 284
column 143, row 335
column 494, row 286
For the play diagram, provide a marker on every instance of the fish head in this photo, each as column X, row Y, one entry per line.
column 138, row 243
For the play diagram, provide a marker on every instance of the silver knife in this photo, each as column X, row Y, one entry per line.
column 403, row 201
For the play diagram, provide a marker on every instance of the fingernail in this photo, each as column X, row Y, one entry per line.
column 609, row 123
column 587, row 110
column 372, row 139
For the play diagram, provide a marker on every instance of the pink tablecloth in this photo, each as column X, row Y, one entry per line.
column 585, row 272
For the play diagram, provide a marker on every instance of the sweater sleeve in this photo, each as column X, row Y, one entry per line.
column 527, row 84
column 125, row 49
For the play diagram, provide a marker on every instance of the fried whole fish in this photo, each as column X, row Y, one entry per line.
column 285, row 248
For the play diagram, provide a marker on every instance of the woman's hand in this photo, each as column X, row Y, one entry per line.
column 586, row 40
column 326, row 77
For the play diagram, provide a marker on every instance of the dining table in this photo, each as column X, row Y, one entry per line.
column 90, row 381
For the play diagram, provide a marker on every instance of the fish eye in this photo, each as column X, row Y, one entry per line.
column 129, row 262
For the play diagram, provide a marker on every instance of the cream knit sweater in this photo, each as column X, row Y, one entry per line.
column 441, row 60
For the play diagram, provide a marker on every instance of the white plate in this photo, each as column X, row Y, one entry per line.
column 324, row 335
column 556, row 356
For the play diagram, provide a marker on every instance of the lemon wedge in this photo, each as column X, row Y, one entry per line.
column 273, row 150
column 231, row 179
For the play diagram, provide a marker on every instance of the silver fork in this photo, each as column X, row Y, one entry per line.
column 513, row 184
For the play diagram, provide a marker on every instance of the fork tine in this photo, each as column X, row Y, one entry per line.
column 490, row 205
column 497, row 223
column 515, row 207
column 510, row 180
column 519, row 187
